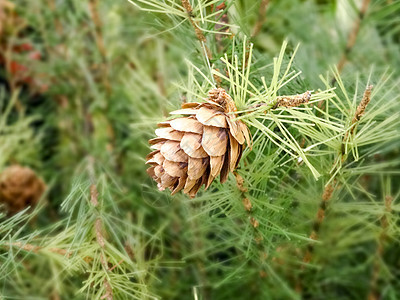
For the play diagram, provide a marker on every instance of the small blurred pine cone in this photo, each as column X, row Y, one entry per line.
column 20, row 187
column 192, row 150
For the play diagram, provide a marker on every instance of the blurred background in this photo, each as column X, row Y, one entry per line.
column 82, row 87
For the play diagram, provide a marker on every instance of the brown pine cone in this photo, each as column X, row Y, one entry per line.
column 19, row 188
column 193, row 150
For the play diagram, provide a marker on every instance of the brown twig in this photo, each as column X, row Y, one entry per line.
column 36, row 249
column 93, row 7
column 351, row 39
column 199, row 34
column 97, row 23
column 57, row 24
column 331, row 187
column 374, row 293
column 286, row 101
column 245, row 199
column 102, row 68
column 319, row 218
column 262, row 14
column 293, row 101
column 199, row 261
column 98, row 227
column 222, row 26
column 253, row 221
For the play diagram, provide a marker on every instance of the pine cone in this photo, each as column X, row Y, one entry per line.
column 20, row 188
column 193, row 150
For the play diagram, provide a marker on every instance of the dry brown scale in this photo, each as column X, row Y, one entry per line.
column 20, row 187
column 192, row 150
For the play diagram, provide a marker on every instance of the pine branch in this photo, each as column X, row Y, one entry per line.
column 374, row 294
column 262, row 12
column 252, row 219
column 57, row 24
column 331, row 187
column 224, row 19
column 98, row 228
column 35, row 249
column 352, row 38
column 93, row 7
column 199, row 33
column 243, row 190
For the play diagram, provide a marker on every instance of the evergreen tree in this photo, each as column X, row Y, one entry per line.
column 310, row 212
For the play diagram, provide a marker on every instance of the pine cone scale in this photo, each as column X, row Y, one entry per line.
column 189, row 185
column 192, row 146
column 175, row 169
column 197, row 167
column 180, row 185
column 216, row 163
column 184, row 111
column 191, row 139
column 169, row 133
column 190, row 105
column 187, row 125
column 214, row 140
column 211, row 117
column 234, row 152
column 172, row 151
column 236, row 131
column 225, row 170
column 157, row 140
column 155, row 157
column 167, row 180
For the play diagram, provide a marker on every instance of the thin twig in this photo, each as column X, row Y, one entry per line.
column 98, row 227
column 351, row 39
column 222, row 26
column 97, row 23
column 35, row 249
column 319, row 218
column 332, row 186
column 93, row 7
column 57, row 24
column 199, row 34
column 286, row 101
column 262, row 14
column 258, row 238
column 374, row 293
column 243, row 190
